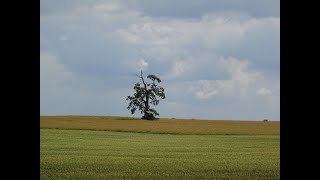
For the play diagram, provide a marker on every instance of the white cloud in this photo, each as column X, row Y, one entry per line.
column 61, row 92
column 241, row 78
column 129, row 37
column 141, row 64
column 264, row 92
column 55, row 79
column 204, row 89
column 63, row 38
column 213, row 31
column 110, row 6
column 52, row 71
column 179, row 68
column 184, row 51
column 207, row 89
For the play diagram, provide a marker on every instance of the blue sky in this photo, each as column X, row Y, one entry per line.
column 217, row 59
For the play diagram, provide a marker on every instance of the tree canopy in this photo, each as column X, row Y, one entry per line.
column 146, row 94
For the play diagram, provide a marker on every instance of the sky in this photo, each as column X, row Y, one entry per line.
column 217, row 59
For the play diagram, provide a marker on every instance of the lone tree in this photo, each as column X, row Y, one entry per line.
column 146, row 95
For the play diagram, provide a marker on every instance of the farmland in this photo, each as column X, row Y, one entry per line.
column 165, row 126
column 78, row 147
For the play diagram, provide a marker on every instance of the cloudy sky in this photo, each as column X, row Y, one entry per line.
column 217, row 59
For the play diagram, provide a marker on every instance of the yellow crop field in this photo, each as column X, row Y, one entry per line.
column 165, row 126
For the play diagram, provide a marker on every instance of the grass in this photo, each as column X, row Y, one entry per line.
column 163, row 126
column 87, row 154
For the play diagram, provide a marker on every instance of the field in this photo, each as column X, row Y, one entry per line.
column 67, row 153
column 165, row 126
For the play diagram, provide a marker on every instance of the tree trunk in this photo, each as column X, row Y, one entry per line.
column 146, row 110
column 146, row 115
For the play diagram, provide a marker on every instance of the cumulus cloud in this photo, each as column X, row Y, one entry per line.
column 141, row 64
column 241, row 76
column 193, row 46
column 52, row 71
column 178, row 69
column 191, row 8
column 62, row 92
column 220, row 50
column 63, row 38
column 212, row 31
column 264, row 92
column 207, row 89
column 240, row 80
column 55, row 79
column 107, row 7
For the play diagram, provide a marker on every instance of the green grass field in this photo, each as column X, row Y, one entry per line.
column 90, row 154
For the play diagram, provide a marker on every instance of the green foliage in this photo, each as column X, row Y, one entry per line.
column 153, row 78
column 146, row 94
column 84, row 154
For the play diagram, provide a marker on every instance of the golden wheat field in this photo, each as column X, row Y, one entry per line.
column 170, row 126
